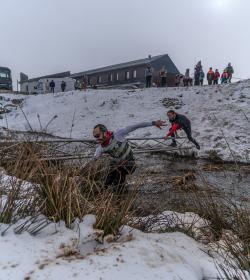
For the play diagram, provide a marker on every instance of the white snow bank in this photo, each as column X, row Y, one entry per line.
column 136, row 255
column 218, row 114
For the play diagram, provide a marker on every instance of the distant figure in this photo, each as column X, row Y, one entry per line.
column 224, row 77
column 210, row 76
column 177, row 80
column 63, row 86
column 230, row 72
column 202, row 76
column 47, row 86
column 216, row 76
column 187, row 80
column 163, row 77
column 148, row 75
column 197, row 71
column 52, row 86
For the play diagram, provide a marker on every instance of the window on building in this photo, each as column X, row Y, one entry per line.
column 111, row 77
column 117, row 76
column 127, row 75
column 134, row 74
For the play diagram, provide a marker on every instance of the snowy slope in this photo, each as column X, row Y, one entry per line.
column 135, row 255
column 218, row 114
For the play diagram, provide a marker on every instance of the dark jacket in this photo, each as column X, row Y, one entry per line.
column 180, row 122
column 52, row 84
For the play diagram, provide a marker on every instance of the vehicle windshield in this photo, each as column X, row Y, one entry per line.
column 5, row 74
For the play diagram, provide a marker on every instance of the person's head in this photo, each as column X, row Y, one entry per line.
column 229, row 64
column 148, row 66
column 99, row 132
column 211, row 68
column 171, row 114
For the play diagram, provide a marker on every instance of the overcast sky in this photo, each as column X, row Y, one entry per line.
column 41, row 37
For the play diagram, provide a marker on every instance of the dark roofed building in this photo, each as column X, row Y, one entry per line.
column 132, row 72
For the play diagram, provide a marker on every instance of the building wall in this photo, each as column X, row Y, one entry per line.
column 103, row 78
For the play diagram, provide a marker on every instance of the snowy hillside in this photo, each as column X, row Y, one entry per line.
column 219, row 114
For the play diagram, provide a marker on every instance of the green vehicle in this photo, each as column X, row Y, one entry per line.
column 5, row 78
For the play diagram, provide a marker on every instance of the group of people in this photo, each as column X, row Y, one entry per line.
column 118, row 148
column 50, row 86
column 162, row 78
column 213, row 77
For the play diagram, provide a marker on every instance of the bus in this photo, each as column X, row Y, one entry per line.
column 5, row 78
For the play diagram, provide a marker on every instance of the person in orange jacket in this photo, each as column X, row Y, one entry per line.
column 216, row 76
column 210, row 76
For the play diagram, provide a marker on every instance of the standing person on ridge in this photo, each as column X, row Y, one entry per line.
column 210, row 76
column 216, row 77
column 52, row 86
column 179, row 121
column 230, row 72
column 202, row 75
column 148, row 75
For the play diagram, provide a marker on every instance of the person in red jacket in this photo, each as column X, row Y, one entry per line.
column 216, row 77
column 179, row 121
column 210, row 76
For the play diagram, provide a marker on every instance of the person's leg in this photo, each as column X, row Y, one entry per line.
column 188, row 132
column 150, row 78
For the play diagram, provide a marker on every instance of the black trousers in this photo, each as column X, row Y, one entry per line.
column 215, row 82
column 188, row 132
column 163, row 81
column 116, row 175
column 148, row 81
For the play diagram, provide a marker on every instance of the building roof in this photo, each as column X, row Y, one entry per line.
column 57, row 75
column 119, row 66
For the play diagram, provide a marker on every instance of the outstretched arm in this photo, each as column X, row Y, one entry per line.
column 120, row 134
column 173, row 129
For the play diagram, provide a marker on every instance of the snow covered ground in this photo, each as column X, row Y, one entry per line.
column 60, row 253
column 219, row 114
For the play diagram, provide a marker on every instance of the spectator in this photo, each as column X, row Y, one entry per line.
column 187, row 80
column 47, row 86
column 216, row 76
column 52, row 86
column 163, row 77
column 148, row 75
column 63, row 86
column 202, row 75
column 197, row 71
column 210, row 76
column 230, row 72
column 224, row 77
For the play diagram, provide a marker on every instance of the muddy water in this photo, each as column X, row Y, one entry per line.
column 159, row 191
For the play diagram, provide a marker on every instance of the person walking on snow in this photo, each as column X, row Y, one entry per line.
column 178, row 122
column 52, row 86
column 197, row 71
column 163, row 77
column 216, row 77
column 148, row 75
column 210, row 76
column 118, row 148
column 230, row 72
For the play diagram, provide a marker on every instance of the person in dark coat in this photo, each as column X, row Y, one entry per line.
column 230, row 72
column 52, row 86
column 63, row 86
column 197, row 71
column 148, row 75
column 179, row 121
